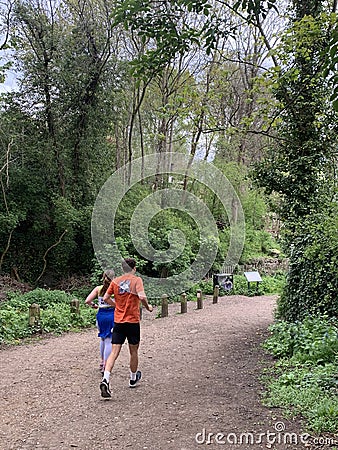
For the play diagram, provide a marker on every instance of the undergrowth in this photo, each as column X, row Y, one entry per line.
column 304, row 380
column 56, row 315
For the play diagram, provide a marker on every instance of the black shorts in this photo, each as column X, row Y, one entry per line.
column 124, row 330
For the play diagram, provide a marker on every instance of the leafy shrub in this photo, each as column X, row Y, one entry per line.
column 55, row 315
column 13, row 325
column 315, row 339
column 304, row 381
column 56, row 319
column 312, row 285
column 300, row 391
column 43, row 298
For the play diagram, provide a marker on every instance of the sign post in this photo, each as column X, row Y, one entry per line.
column 253, row 277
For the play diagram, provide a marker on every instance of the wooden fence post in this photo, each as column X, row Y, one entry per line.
column 199, row 299
column 141, row 311
column 183, row 303
column 164, row 306
column 34, row 315
column 75, row 306
column 216, row 294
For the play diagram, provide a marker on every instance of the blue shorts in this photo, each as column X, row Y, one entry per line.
column 105, row 322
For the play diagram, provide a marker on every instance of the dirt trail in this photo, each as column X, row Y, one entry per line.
column 200, row 378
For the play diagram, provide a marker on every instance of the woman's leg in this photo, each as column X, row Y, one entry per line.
column 107, row 348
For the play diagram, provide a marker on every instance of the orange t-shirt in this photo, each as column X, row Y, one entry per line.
column 125, row 290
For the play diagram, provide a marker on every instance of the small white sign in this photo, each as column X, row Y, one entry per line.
column 252, row 276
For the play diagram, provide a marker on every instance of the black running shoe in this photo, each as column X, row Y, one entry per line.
column 132, row 383
column 105, row 391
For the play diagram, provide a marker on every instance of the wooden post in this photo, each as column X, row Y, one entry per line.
column 164, row 306
column 141, row 311
column 183, row 303
column 199, row 299
column 75, row 306
column 34, row 315
column 216, row 294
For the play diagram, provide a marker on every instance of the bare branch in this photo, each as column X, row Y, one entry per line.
column 6, row 248
column 6, row 30
column 45, row 255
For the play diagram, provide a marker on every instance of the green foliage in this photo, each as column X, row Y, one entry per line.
column 58, row 319
column 300, row 391
column 331, row 61
column 13, row 324
column 314, row 339
column 304, row 380
column 55, row 315
column 206, row 287
column 40, row 296
column 172, row 36
column 167, row 256
column 257, row 243
column 300, row 168
column 312, row 285
column 55, row 155
column 272, row 284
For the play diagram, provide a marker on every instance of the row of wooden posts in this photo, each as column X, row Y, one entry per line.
column 34, row 309
column 164, row 301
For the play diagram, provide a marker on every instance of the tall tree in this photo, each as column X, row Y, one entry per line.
column 301, row 167
column 68, row 70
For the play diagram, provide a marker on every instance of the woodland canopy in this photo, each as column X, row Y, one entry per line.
column 246, row 85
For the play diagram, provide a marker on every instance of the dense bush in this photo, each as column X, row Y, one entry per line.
column 312, row 282
column 55, row 315
column 304, row 380
column 270, row 285
column 44, row 298
column 313, row 339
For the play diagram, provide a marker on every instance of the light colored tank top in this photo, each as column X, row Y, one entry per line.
column 101, row 303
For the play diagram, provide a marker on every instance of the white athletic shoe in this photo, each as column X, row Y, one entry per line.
column 132, row 383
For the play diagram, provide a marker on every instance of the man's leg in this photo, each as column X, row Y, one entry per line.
column 135, row 375
column 104, row 385
column 133, row 350
column 115, row 351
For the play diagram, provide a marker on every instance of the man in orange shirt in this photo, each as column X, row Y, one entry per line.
column 128, row 291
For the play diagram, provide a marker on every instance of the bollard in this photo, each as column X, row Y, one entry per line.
column 216, row 294
column 75, row 306
column 199, row 299
column 34, row 315
column 183, row 303
column 164, row 306
column 141, row 311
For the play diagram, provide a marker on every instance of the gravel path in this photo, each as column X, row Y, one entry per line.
column 200, row 387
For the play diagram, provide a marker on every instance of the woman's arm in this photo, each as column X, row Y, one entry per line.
column 91, row 297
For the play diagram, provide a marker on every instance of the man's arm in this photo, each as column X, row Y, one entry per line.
column 107, row 298
column 144, row 301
